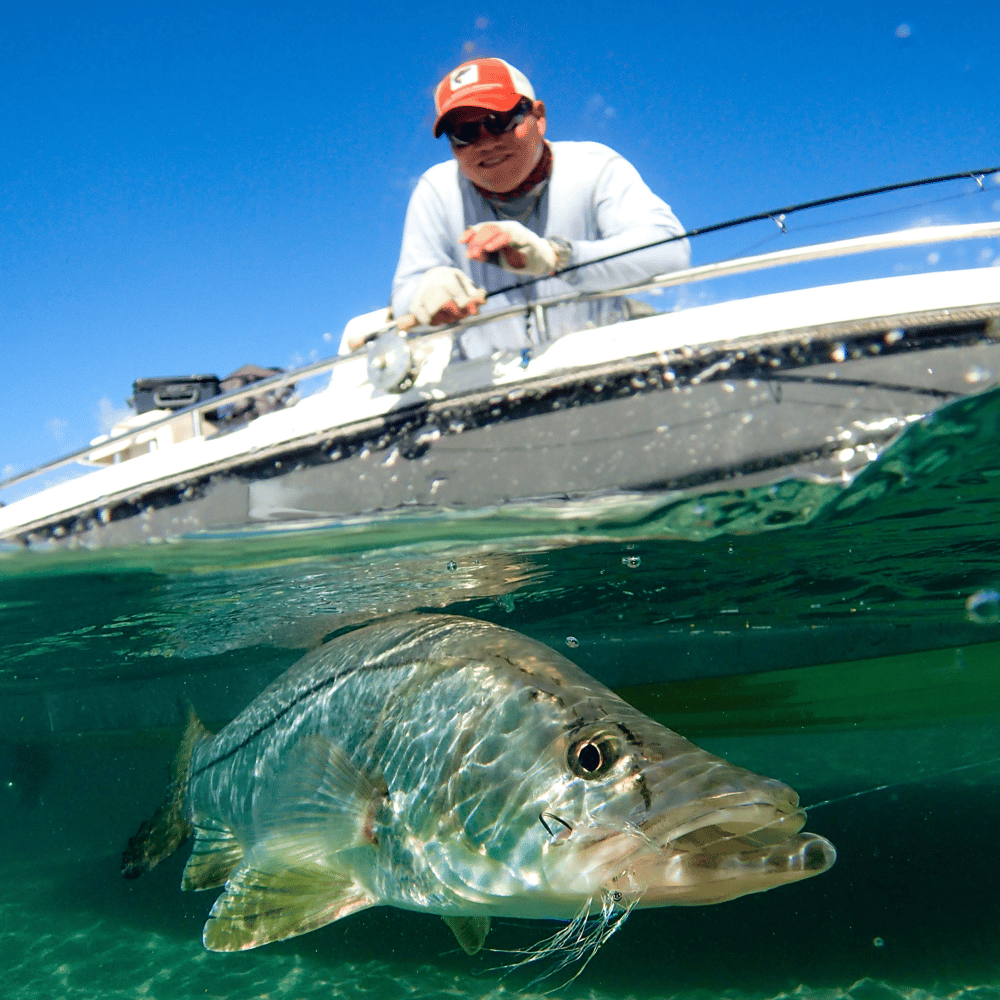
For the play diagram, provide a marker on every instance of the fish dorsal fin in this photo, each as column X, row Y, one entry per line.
column 263, row 906
column 469, row 931
column 216, row 852
column 316, row 801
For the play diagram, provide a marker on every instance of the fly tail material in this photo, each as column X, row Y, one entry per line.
column 577, row 942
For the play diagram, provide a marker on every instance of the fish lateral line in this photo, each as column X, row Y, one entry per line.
column 339, row 675
column 278, row 716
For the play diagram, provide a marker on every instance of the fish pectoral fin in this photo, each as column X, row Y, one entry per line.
column 216, row 852
column 470, row 932
column 317, row 792
column 261, row 906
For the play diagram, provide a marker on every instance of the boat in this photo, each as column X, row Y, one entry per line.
column 811, row 383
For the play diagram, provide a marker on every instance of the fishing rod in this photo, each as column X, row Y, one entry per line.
column 775, row 214
column 408, row 321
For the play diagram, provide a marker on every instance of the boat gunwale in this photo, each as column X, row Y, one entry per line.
column 711, row 361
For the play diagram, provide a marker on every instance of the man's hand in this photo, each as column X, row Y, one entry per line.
column 513, row 246
column 445, row 295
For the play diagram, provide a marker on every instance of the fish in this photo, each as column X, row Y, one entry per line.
column 451, row 766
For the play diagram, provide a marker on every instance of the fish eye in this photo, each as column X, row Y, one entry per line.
column 593, row 756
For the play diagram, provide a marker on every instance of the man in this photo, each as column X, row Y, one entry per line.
column 510, row 205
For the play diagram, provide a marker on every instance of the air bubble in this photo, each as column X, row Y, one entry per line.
column 506, row 601
column 983, row 607
column 572, row 641
column 631, row 561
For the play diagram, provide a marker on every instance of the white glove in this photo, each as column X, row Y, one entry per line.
column 490, row 240
column 438, row 287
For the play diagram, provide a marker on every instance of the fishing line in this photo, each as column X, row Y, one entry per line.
column 860, row 218
column 906, row 781
column 775, row 214
column 843, row 220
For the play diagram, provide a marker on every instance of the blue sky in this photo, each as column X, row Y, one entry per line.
column 188, row 187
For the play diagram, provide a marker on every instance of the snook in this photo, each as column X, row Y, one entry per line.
column 446, row 765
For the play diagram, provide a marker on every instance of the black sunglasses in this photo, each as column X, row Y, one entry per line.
column 496, row 124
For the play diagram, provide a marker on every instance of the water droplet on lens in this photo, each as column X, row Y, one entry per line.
column 878, row 942
column 572, row 641
column 452, row 566
column 631, row 561
column 983, row 607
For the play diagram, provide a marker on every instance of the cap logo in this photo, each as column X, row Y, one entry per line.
column 464, row 75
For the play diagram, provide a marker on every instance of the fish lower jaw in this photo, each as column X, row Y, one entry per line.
column 651, row 876
column 691, row 879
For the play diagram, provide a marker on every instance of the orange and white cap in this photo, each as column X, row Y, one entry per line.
column 481, row 83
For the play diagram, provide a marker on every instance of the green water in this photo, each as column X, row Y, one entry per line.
column 819, row 634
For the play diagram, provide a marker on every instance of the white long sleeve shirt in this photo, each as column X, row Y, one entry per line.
column 594, row 198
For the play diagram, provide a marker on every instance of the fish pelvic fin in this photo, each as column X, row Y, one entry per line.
column 470, row 932
column 259, row 907
column 168, row 828
column 215, row 854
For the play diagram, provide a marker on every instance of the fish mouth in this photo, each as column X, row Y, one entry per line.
column 727, row 846
column 689, row 879
column 719, row 846
column 731, row 829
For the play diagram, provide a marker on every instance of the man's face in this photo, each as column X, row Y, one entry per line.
column 500, row 162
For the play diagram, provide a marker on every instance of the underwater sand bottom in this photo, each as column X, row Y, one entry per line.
column 58, row 952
